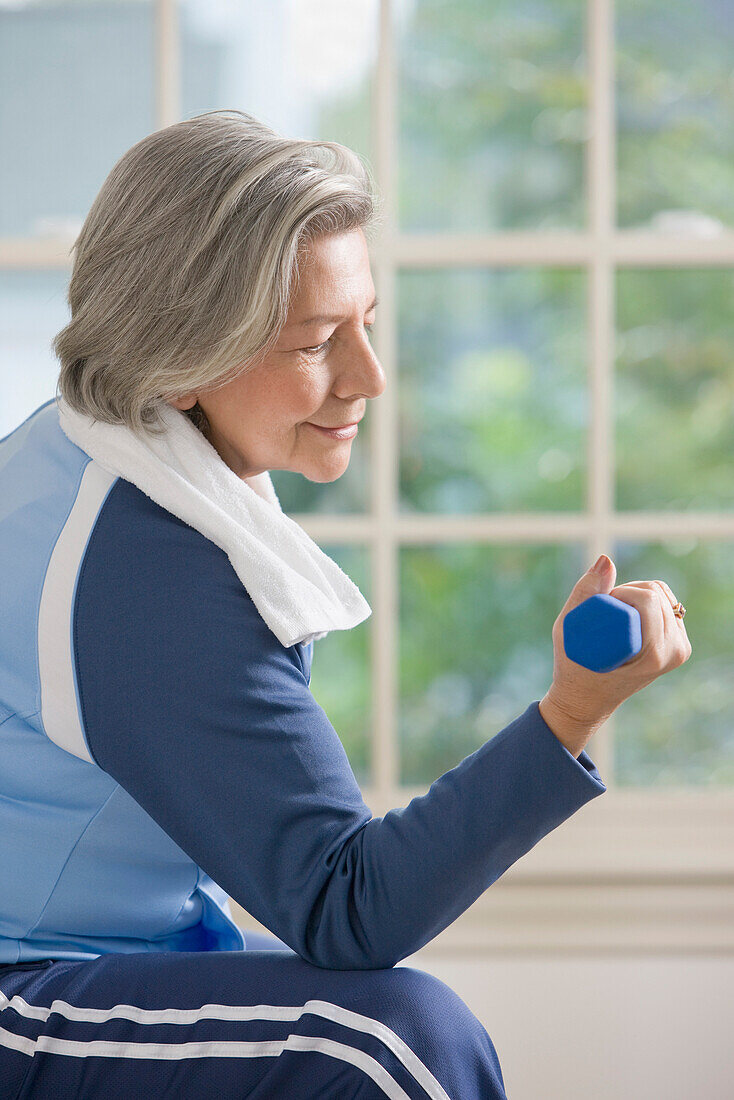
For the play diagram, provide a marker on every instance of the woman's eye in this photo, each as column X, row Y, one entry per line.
column 321, row 347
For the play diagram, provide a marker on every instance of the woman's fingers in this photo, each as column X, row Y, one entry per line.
column 663, row 631
column 648, row 600
column 673, row 599
column 648, row 584
column 670, row 595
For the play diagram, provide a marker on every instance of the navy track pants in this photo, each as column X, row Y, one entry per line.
column 256, row 1023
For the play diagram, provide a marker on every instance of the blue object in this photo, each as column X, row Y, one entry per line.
column 602, row 633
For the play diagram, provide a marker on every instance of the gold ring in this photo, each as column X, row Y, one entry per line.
column 679, row 610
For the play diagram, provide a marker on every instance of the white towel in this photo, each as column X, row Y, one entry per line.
column 299, row 590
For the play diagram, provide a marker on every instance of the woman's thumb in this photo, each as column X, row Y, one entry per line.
column 604, row 572
column 600, row 577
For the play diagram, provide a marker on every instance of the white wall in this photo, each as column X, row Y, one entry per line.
column 596, row 1027
column 606, row 989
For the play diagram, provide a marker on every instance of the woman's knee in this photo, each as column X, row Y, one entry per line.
column 439, row 1028
column 416, row 995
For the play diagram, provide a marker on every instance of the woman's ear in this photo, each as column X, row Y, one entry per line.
column 183, row 403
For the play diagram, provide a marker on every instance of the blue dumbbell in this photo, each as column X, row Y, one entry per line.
column 602, row 633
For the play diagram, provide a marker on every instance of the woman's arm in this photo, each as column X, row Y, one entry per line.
column 193, row 705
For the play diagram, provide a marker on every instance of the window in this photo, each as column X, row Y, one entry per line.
column 555, row 277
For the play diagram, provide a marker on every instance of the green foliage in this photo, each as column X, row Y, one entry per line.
column 675, row 109
column 492, row 390
column 675, row 389
column 475, row 644
column 491, row 115
column 341, row 670
column 678, row 730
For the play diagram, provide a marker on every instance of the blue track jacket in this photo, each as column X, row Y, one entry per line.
column 161, row 751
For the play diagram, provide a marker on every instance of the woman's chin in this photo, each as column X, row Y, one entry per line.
column 323, row 472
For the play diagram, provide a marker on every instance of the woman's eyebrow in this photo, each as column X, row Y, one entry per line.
column 323, row 319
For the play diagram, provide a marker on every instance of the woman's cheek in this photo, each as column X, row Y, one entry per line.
column 301, row 395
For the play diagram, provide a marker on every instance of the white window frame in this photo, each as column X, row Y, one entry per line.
column 637, row 869
column 679, row 832
column 629, row 840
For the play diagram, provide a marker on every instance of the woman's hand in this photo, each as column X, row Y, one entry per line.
column 579, row 701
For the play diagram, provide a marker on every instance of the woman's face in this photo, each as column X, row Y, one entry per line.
column 321, row 372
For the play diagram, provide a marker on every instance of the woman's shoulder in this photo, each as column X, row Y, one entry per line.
column 138, row 537
column 147, row 568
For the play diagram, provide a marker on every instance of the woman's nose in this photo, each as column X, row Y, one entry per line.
column 364, row 370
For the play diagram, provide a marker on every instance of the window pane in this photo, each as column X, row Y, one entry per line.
column 493, row 392
column 341, row 672
column 674, row 389
column 492, row 114
column 76, row 91
column 32, row 310
column 675, row 112
column 475, row 644
column 304, row 67
column 679, row 730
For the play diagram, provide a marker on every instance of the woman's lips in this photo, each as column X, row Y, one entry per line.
column 336, row 433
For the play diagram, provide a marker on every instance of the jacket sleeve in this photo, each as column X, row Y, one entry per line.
column 192, row 704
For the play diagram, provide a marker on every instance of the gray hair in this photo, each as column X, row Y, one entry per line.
column 187, row 260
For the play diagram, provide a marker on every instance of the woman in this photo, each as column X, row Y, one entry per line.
column 161, row 749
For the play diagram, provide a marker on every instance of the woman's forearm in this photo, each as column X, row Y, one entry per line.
column 403, row 878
